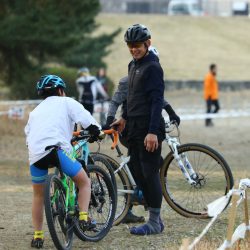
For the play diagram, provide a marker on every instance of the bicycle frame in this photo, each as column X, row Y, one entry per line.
column 82, row 146
column 182, row 162
column 124, row 165
column 70, row 194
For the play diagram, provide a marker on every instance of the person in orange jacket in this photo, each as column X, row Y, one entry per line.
column 211, row 93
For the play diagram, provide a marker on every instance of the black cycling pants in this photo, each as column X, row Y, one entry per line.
column 213, row 106
column 145, row 167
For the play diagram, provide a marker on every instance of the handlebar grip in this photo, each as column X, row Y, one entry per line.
column 115, row 134
column 76, row 133
column 115, row 140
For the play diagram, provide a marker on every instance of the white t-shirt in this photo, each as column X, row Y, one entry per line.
column 52, row 123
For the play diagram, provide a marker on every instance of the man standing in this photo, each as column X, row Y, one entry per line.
column 145, row 124
column 211, row 93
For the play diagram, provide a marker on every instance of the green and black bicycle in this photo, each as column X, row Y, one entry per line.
column 62, row 211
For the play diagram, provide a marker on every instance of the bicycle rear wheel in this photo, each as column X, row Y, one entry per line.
column 123, row 185
column 102, row 205
column 59, row 222
column 214, row 179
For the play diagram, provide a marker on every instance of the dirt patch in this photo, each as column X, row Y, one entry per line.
column 230, row 136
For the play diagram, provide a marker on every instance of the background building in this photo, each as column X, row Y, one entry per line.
column 210, row 7
column 134, row 6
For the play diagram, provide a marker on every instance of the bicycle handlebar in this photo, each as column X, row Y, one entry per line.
column 115, row 135
column 81, row 134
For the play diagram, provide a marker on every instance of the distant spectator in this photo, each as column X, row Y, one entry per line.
column 88, row 87
column 102, row 78
column 211, row 93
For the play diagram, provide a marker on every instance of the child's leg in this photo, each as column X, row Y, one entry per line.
column 82, row 181
column 37, row 206
column 74, row 169
column 38, row 177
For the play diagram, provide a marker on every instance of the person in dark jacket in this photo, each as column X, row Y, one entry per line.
column 119, row 98
column 88, row 87
column 144, row 122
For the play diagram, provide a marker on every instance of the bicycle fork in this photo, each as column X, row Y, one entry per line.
column 186, row 167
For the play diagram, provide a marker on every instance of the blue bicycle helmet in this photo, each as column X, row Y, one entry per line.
column 48, row 83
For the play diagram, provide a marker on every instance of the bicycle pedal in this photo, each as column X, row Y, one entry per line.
column 89, row 225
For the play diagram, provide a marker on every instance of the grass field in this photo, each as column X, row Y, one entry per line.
column 187, row 45
column 229, row 136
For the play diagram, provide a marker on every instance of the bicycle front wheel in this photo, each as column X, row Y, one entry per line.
column 123, row 190
column 60, row 223
column 102, row 205
column 213, row 180
column 101, row 161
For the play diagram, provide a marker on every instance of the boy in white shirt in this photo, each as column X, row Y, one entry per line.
column 51, row 123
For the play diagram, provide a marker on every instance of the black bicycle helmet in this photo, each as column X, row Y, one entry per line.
column 137, row 33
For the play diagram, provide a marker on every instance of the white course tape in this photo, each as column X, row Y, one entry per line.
column 225, row 114
column 4, row 113
column 20, row 102
column 226, row 244
column 239, row 233
column 197, row 239
column 183, row 113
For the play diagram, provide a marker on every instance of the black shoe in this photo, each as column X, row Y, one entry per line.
column 87, row 225
column 131, row 218
column 37, row 243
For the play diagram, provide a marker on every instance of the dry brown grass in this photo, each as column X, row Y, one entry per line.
column 187, row 45
column 230, row 137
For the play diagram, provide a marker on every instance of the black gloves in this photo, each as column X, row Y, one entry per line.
column 172, row 115
column 95, row 132
column 109, row 120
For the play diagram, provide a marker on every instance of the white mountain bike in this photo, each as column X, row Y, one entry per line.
column 192, row 176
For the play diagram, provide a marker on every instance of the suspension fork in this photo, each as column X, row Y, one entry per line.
column 185, row 168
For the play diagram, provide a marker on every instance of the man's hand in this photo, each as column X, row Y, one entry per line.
column 151, row 142
column 120, row 124
column 172, row 115
column 109, row 120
